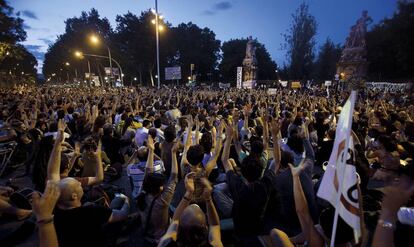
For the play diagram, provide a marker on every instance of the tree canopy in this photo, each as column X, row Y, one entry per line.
column 300, row 43
column 16, row 63
column 390, row 46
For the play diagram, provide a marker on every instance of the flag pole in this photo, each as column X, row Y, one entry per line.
column 342, row 167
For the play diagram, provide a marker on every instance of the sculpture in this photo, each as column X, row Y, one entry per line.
column 353, row 63
column 250, row 62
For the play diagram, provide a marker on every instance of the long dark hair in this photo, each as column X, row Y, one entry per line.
column 127, row 123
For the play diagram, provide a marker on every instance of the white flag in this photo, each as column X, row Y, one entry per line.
column 340, row 174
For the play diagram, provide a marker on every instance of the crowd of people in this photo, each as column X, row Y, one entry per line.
column 203, row 167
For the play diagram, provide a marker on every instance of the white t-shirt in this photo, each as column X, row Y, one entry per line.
column 140, row 136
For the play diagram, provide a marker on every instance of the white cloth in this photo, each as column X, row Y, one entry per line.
column 140, row 136
column 406, row 216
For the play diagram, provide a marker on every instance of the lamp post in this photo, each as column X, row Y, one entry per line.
column 157, row 42
column 80, row 55
column 95, row 40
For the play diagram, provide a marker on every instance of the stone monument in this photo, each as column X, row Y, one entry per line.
column 353, row 64
column 250, row 63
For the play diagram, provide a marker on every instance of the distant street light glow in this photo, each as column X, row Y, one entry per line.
column 94, row 39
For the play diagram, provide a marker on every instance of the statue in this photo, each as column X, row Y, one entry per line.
column 356, row 37
column 250, row 49
column 353, row 63
column 250, row 62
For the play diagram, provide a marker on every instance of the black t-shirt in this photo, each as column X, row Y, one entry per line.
column 250, row 201
column 81, row 226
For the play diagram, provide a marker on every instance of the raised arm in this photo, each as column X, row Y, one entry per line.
column 197, row 131
column 43, row 209
column 187, row 145
column 226, row 151
column 302, row 210
column 275, row 129
column 53, row 166
column 150, row 159
column 264, row 117
column 214, row 237
column 99, row 174
column 395, row 197
column 185, row 201
column 219, row 143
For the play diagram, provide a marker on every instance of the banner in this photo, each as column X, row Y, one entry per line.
column 249, row 84
column 284, row 83
column 339, row 183
column 115, row 71
column 328, row 83
column 95, row 81
column 272, row 91
column 173, row 73
column 224, row 85
column 296, row 84
column 239, row 77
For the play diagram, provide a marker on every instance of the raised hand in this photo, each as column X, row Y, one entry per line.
column 207, row 189
column 297, row 170
column 77, row 151
column 175, row 147
column 60, row 136
column 275, row 127
column 150, row 143
column 43, row 206
column 189, row 182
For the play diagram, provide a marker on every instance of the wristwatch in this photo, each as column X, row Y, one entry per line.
column 386, row 224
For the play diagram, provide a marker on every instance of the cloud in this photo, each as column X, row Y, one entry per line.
column 46, row 41
column 26, row 27
column 220, row 6
column 29, row 14
column 208, row 12
column 35, row 50
column 223, row 6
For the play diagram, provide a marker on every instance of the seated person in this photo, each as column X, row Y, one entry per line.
column 155, row 198
column 189, row 225
column 71, row 218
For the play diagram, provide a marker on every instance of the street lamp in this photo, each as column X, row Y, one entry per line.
column 79, row 55
column 157, row 29
column 95, row 40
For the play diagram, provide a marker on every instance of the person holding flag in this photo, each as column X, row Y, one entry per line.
column 337, row 177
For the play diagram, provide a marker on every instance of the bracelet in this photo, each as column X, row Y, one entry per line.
column 187, row 199
column 45, row 221
column 386, row 224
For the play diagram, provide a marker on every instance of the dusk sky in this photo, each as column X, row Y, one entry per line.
column 265, row 20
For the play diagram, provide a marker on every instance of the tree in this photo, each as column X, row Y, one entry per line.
column 76, row 38
column 16, row 63
column 390, row 45
column 325, row 65
column 300, row 42
column 11, row 28
column 198, row 46
column 134, row 39
column 234, row 52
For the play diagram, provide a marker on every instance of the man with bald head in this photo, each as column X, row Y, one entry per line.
column 189, row 226
column 77, row 224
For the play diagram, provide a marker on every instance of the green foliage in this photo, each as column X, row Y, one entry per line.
column 76, row 38
column 300, row 42
column 11, row 28
column 390, row 46
column 325, row 65
column 16, row 63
